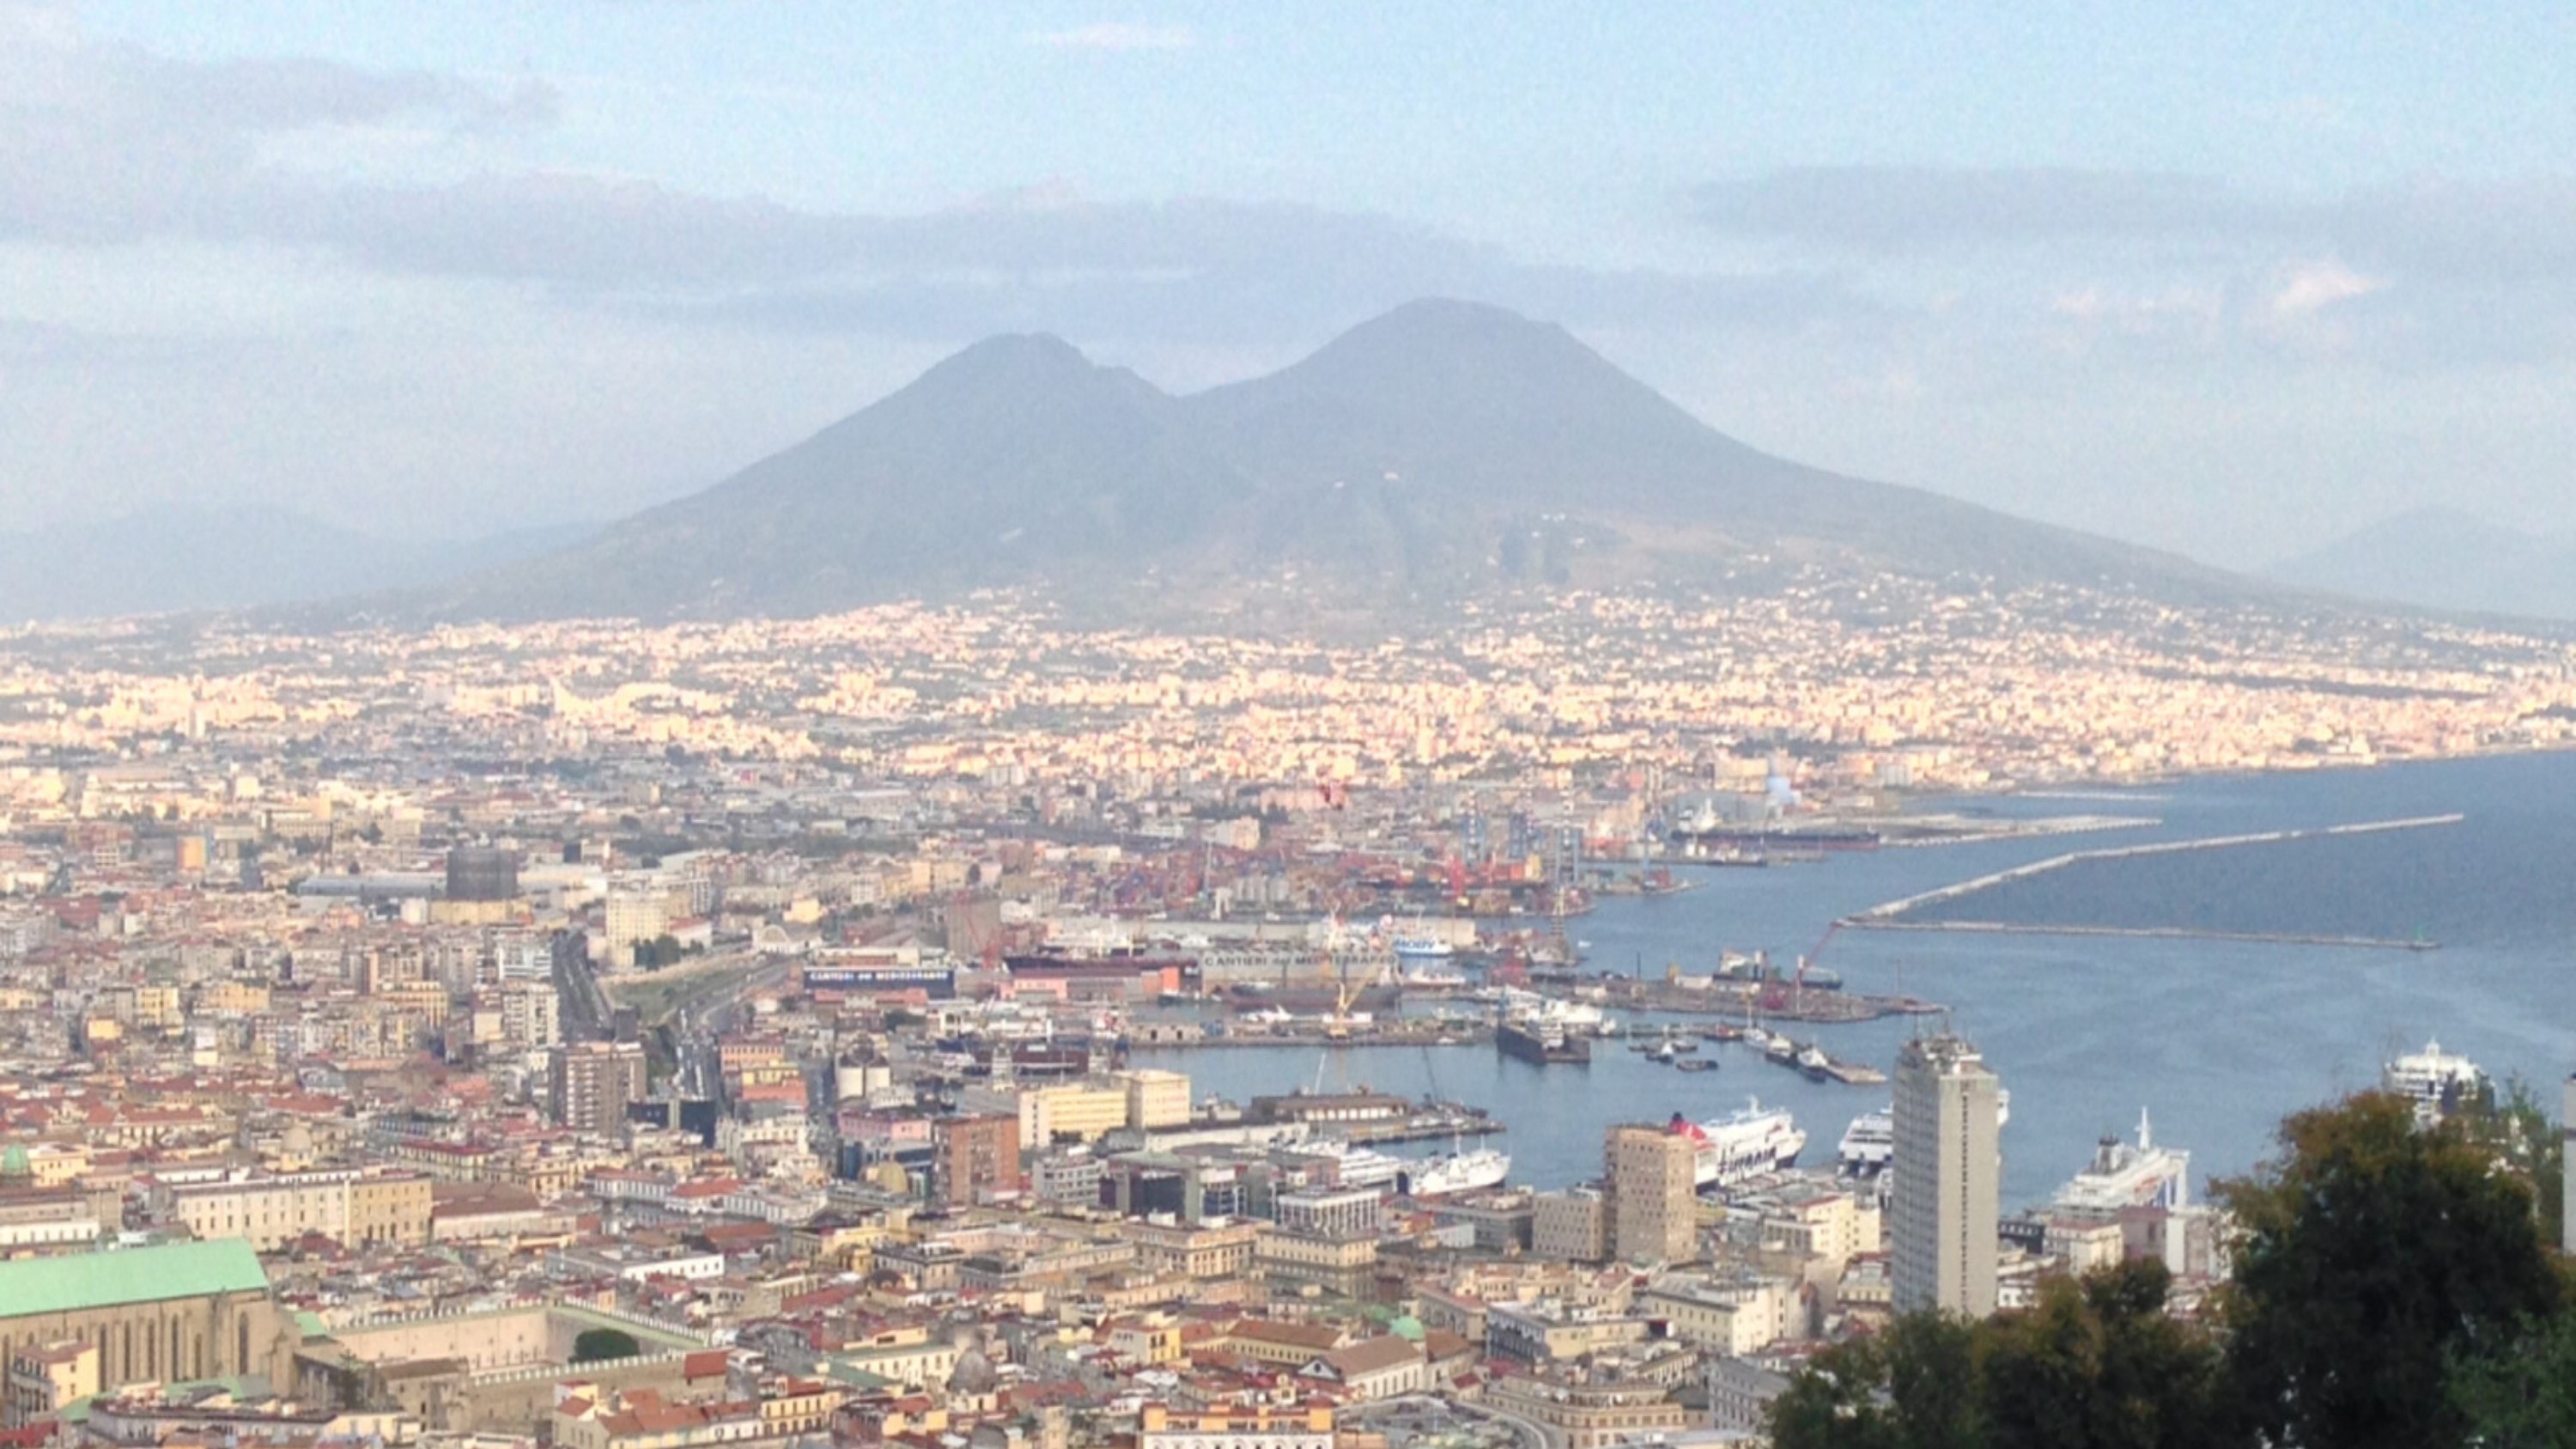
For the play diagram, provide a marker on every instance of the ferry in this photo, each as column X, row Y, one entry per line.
column 1454, row 1172
column 1743, row 1144
column 1868, row 1143
column 1354, row 1166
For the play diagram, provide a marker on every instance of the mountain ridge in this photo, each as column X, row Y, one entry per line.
column 2446, row 559
column 1437, row 452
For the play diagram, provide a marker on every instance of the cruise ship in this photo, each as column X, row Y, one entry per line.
column 1743, row 1144
column 2438, row 1082
column 2125, row 1176
column 1454, row 1172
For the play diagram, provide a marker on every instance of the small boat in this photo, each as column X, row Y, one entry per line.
column 1697, row 1064
column 1813, row 1061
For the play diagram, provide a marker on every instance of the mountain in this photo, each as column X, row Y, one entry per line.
column 1443, row 450
column 2440, row 558
column 162, row 562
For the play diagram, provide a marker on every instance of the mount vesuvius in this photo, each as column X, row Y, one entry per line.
column 1444, row 450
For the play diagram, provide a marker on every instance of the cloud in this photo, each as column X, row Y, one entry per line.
column 1111, row 35
column 2318, row 285
column 1897, row 208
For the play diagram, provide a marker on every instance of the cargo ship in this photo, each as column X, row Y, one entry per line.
column 1542, row 1045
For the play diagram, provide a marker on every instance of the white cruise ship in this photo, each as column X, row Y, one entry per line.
column 2125, row 1176
column 2438, row 1082
column 1744, row 1144
column 1454, row 1172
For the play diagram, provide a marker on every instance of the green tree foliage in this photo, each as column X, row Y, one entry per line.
column 1905, row 1389
column 596, row 1344
column 2525, row 1399
column 2391, row 1291
column 2373, row 1256
column 2516, row 1129
column 2096, row 1362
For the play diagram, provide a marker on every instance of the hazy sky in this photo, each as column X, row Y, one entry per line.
column 2227, row 282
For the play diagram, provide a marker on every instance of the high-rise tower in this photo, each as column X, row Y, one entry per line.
column 1654, row 1206
column 1948, row 1178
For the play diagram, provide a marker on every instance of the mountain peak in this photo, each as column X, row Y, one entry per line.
column 1440, row 449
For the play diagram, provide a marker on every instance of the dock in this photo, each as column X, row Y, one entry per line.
column 1402, row 1032
column 1770, row 1000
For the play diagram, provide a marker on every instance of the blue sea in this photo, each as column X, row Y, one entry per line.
column 2217, row 1039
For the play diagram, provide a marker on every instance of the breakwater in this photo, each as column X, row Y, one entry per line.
column 1891, row 915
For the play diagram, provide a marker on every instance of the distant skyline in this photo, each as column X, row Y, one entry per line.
column 2229, row 284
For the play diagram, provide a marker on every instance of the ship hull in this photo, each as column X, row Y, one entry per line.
column 1519, row 1041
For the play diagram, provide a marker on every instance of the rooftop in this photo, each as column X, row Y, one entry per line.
column 129, row 1275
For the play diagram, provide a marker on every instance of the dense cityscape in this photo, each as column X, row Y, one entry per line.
column 651, row 1037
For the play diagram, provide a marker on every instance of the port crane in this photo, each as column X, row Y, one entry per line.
column 1773, row 1000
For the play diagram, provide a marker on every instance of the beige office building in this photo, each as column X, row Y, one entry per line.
column 1949, row 1171
column 1654, row 1205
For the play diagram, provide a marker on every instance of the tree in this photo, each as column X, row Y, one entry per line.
column 2094, row 1364
column 2097, row 1362
column 2516, row 1128
column 2525, row 1399
column 1913, row 1387
column 595, row 1344
column 2374, row 1254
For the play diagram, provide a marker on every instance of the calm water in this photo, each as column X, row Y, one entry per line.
column 2217, row 1039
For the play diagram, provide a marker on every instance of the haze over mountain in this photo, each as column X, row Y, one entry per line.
column 1441, row 450
column 152, row 563
column 2445, row 559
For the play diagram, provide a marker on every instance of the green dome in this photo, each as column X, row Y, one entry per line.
column 14, row 1163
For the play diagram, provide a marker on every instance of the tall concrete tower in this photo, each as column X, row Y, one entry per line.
column 1949, row 1171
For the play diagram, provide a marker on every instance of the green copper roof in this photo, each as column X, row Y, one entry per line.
column 129, row 1275
column 13, row 1161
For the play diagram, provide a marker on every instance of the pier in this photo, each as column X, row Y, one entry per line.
column 1776, row 1000
column 1311, row 1035
column 1890, row 916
